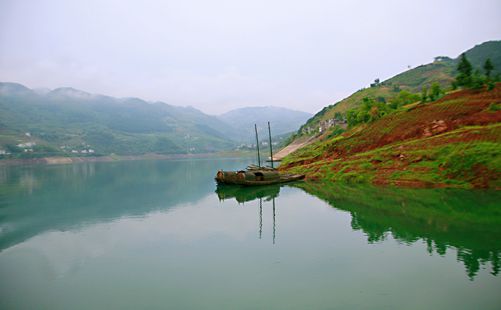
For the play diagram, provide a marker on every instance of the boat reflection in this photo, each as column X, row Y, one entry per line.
column 244, row 194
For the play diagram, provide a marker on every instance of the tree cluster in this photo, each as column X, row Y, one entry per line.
column 432, row 94
column 369, row 111
column 372, row 109
column 404, row 97
column 469, row 78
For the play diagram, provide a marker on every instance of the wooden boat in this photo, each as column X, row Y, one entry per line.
column 257, row 175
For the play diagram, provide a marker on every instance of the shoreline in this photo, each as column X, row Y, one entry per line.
column 61, row 160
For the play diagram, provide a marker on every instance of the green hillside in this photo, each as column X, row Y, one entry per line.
column 67, row 121
column 454, row 141
column 441, row 71
column 490, row 49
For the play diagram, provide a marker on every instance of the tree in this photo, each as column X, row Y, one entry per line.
column 477, row 80
column 488, row 67
column 376, row 83
column 368, row 111
column 424, row 94
column 435, row 91
column 351, row 117
column 404, row 97
column 464, row 72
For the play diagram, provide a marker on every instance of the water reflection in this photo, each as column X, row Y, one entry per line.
column 261, row 219
column 274, row 222
column 77, row 235
column 37, row 199
column 34, row 199
column 466, row 221
column 244, row 194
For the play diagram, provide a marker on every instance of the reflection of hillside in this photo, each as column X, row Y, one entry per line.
column 247, row 193
column 40, row 198
column 468, row 221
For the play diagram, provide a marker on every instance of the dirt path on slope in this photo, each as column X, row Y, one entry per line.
column 297, row 144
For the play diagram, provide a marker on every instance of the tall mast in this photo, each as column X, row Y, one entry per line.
column 257, row 144
column 271, row 151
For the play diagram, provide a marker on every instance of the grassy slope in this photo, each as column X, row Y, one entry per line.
column 455, row 141
column 414, row 80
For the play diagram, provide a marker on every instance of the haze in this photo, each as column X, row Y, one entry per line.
column 221, row 55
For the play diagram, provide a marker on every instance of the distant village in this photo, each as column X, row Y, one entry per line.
column 29, row 147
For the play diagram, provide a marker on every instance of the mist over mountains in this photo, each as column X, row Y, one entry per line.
column 67, row 120
column 282, row 120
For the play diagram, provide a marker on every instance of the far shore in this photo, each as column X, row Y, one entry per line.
column 61, row 160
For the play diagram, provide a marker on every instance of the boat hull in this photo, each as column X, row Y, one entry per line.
column 242, row 178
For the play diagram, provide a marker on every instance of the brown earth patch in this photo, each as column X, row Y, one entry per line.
column 425, row 127
column 427, row 120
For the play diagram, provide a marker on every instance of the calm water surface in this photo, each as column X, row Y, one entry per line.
column 161, row 235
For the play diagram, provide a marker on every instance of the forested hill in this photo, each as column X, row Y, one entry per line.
column 67, row 121
column 441, row 71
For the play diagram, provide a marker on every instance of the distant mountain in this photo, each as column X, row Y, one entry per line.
column 70, row 121
column 442, row 71
column 282, row 120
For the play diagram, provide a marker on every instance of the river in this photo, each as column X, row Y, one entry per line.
column 161, row 235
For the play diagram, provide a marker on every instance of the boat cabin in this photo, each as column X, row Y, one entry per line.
column 247, row 175
column 258, row 175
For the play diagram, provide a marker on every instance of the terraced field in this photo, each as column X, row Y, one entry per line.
column 453, row 142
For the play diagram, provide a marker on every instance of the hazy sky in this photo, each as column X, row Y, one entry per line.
column 218, row 55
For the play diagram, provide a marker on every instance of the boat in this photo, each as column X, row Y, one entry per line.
column 257, row 175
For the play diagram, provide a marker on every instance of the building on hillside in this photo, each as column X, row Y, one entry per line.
column 26, row 145
column 326, row 124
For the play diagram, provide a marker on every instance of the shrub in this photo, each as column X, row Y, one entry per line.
column 494, row 107
column 404, row 97
column 435, row 92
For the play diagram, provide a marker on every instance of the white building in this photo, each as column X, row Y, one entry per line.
column 27, row 144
